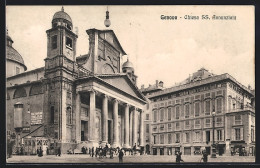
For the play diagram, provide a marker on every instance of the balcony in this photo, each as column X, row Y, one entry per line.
column 241, row 109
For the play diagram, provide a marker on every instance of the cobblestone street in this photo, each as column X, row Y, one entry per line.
column 126, row 159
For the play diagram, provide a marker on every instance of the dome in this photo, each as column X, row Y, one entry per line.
column 62, row 15
column 128, row 64
column 12, row 54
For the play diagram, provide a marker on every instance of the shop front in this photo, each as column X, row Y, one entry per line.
column 197, row 150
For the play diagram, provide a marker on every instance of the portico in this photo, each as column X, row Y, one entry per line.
column 109, row 112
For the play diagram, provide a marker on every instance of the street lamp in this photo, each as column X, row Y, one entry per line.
column 213, row 153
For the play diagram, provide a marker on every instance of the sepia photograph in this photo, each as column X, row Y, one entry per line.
column 128, row 84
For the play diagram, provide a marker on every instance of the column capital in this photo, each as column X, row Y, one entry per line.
column 115, row 100
column 126, row 105
column 105, row 96
column 92, row 90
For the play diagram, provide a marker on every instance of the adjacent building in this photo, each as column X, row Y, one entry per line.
column 203, row 110
column 73, row 101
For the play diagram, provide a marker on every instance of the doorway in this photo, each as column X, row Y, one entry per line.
column 154, row 151
column 84, row 130
column 208, row 150
column 161, row 151
column 207, row 136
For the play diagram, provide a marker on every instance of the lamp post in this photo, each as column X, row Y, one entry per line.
column 213, row 153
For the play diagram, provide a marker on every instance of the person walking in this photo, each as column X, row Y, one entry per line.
column 92, row 152
column 59, row 151
column 204, row 156
column 134, row 149
column 178, row 157
column 111, row 153
column 121, row 154
column 40, row 152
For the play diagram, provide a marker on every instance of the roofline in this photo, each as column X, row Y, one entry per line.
column 109, row 30
column 24, row 84
column 221, row 77
column 20, row 74
column 95, row 77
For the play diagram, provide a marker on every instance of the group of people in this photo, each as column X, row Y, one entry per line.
column 204, row 157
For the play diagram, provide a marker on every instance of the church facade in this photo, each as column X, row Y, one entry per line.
column 90, row 100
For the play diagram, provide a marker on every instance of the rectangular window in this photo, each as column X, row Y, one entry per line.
column 161, row 114
column 147, row 128
column 197, row 109
column 155, row 116
column 147, row 116
column 177, row 138
column 154, row 139
column 219, row 135
column 169, row 138
column 169, row 114
column 155, row 128
column 207, row 122
column 169, row 126
column 177, row 112
column 17, row 70
column 197, row 123
column 197, row 136
column 219, row 105
column 54, row 42
column 177, row 125
column 187, row 124
column 187, row 111
column 207, row 104
column 229, row 104
column 52, row 114
column 187, row 137
column 252, row 135
column 162, row 139
column 238, row 120
column 69, row 42
column 237, row 134
column 207, row 136
column 219, row 121
column 162, row 127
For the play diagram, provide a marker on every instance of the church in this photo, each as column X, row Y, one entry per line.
column 73, row 101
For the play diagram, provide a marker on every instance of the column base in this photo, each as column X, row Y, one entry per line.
column 126, row 146
column 93, row 143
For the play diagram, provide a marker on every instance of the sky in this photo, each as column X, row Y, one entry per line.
column 164, row 50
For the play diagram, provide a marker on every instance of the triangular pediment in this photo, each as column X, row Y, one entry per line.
column 123, row 83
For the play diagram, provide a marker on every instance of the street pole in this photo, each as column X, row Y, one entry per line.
column 213, row 153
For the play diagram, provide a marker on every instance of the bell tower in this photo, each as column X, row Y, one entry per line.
column 61, row 38
column 60, row 72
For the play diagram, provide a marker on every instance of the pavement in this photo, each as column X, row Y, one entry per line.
column 127, row 159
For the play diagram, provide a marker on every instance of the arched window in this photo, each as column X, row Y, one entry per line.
column 36, row 89
column 20, row 92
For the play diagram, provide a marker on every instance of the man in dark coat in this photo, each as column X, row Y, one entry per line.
column 40, row 152
column 59, row 151
column 121, row 154
column 204, row 156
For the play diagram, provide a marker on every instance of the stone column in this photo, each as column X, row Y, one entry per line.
column 142, row 128
column 77, row 117
column 104, row 120
column 135, row 126
column 92, row 116
column 131, row 129
column 115, row 124
column 126, row 142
